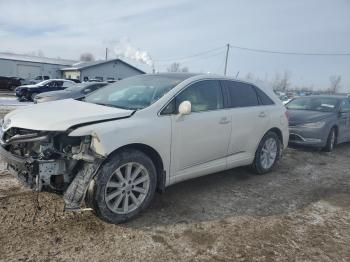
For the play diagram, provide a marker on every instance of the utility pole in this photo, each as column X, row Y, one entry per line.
column 106, row 53
column 228, row 48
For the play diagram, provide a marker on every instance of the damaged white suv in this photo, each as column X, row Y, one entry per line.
column 126, row 141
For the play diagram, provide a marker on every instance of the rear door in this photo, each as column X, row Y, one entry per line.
column 250, row 119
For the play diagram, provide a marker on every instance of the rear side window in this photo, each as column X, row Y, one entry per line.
column 241, row 94
column 204, row 96
column 264, row 99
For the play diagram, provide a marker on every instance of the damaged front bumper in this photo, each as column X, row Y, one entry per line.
column 26, row 169
column 69, row 174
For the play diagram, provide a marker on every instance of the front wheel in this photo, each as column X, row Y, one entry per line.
column 123, row 187
column 267, row 154
column 331, row 141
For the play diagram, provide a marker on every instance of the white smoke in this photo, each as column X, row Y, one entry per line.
column 123, row 48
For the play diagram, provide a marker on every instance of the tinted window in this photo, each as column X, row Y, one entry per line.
column 241, row 94
column 204, row 95
column 58, row 83
column 169, row 109
column 263, row 98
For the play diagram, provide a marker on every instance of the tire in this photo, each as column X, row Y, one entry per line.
column 331, row 140
column 264, row 162
column 32, row 96
column 108, row 193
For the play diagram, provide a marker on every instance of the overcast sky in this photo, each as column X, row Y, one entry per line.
column 171, row 30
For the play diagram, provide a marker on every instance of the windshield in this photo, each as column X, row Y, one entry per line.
column 135, row 92
column 323, row 104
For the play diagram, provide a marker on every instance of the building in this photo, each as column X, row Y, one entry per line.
column 28, row 67
column 114, row 69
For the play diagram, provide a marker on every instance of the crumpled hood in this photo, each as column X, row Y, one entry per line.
column 297, row 117
column 61, row 115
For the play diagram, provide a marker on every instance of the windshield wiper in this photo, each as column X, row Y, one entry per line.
column 121, row 107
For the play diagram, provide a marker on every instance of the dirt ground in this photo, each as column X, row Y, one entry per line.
column 299, row 212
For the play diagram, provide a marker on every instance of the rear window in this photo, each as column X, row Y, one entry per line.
column 263, row 98
column 241, row 94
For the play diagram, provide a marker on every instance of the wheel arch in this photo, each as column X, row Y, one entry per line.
column 155, row 157
column 277, row 131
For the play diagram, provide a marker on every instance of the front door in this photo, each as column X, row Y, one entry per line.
column 200, row 140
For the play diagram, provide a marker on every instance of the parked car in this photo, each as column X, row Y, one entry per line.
column 39, row 79
column 285, row 99
column 142, row 134
column 78, row 91
column 10, row 83
column 28, row 92
column 319, row 121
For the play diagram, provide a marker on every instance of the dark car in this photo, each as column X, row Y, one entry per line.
column 319, row 121
column 78, row 91
column 28, row 92
column 10, row 83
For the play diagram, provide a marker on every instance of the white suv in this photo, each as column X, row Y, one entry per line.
column 142, row 134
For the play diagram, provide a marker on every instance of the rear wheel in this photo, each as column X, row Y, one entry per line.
column 267, row 154
column 331, row 140
column 123, row 187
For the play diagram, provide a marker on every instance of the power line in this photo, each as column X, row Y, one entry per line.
column 191, row 56
column 184, row 61
column 287, row 52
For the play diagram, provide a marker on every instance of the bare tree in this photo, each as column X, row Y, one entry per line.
column 176, row 67
column 335, row 83
column 249, row 77
column 184, row 69
column 40, row 53
column 282, row 83
column 87, row 57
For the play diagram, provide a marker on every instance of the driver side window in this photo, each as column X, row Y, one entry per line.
column 204, row 96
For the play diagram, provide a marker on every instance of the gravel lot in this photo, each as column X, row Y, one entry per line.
column 299, row 212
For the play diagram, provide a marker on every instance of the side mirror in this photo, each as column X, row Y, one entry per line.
column 185, row 108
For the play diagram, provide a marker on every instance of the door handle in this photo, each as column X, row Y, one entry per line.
column 224, row 121
column 262, row 114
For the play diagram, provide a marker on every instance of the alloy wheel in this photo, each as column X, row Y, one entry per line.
column 332, row 140
column 268, row 153
column 127, row 188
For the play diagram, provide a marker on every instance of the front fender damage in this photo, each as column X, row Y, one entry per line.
column 75, row 193
column 52, row 161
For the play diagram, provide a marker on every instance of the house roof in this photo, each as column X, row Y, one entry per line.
column 35, row 59
column 84, row 65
